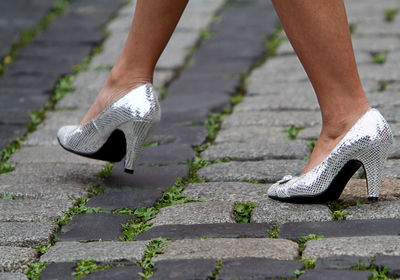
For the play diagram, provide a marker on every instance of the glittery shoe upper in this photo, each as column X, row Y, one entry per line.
column 140, row 104
column 368, row 140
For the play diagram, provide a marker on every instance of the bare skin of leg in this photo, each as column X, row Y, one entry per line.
column 319, row 33
column 151, row 29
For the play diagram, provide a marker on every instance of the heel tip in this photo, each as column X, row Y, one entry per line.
column 129, row 171
column 372, row 198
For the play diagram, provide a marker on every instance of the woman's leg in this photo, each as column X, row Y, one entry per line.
column 319, row 33
column 151, row 29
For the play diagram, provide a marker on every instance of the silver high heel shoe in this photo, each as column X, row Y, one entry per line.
column 366, row 144
column 120, row 130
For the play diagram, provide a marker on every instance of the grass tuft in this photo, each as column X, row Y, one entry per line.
column 242, row 212
column 273, row 233
column 86, row 267
column 293, row 131
column 153, row 249
column 390, row 14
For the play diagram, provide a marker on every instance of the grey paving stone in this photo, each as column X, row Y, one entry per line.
column 77, row 103
column 258, row 150
column 183, row 269
column 116, row 200
column 171, row 117
column 275, row 212
column 341, row 228
column 272, row 71
column 378, row 210
column 192, row 135
column 364, row 246
column 227, row 230
column 195, row 213
column 391, row 263
column 287, row 118
column 227, row 191
column 254, row 133
column 106, row 251
column 257, row 268
column 32, row 210
column 59, row 271
column 14, row 259
column 257, row 87
column 336, row 274
column 51, row 174
column 116, row 273
column 226, row 248
column 56, row 119
column 268, row 171
column 391, row 169
column 90, row 80
column 176, row 50
column 50, row 155
column 91, row 227
column 12, row 276
column 282, row 101
column 112, row 46
column 309, row 133
column 341, row 262
column 43, row 191
column 156, row 177
column 26, row 234
column 166, row 154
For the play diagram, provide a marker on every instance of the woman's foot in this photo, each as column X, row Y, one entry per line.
column 331, row 134
column 114, row 88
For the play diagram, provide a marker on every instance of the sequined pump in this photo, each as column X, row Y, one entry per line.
column 366, row 144
column 120, row 130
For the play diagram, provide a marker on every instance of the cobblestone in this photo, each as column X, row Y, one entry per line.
column 196, row 213
column 258, row 150
column 26, row 234
column 256, row 133
column 227, row 191
column 12, row 259
column 12, row 276
column 275, row 212
column 366, row 246
column 225, row 248
column 107, row 251
column 269, row 171
column 379, row 210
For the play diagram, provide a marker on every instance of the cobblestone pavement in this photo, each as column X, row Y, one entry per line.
column 224, row 227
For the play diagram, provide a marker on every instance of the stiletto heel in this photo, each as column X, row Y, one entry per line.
column 118, row 131
column 373, row 161
column 366, row 144
column 135, row 133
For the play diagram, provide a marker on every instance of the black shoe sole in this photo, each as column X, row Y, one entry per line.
column 114, row 149
column 334, row 189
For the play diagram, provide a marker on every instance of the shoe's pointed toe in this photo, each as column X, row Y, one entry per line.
column 64, row 133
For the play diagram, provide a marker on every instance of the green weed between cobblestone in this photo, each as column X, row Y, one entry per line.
column 390, row 14
column 106, row 171
column 242, row 212
column 273, row 233
column 215, row 273
column 293, row 131
column 338, row 210
column 9, row 196
column 378, row 273
column 303, row 239
column 308, row 264
column 141, row 223
column 153, row 249
column 311, row 144
column 79, row 206
column 352, row 28
column 273, row 42
column 27, row 35
column 86, row 267
column 379, row 57
column 34, row 270
column 382, row 85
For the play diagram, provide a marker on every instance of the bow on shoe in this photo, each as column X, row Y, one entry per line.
column 285, row 179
